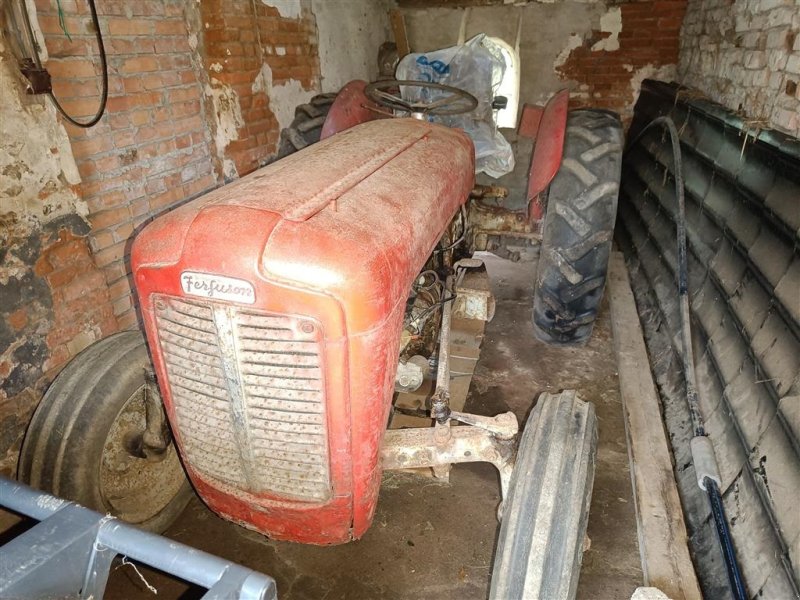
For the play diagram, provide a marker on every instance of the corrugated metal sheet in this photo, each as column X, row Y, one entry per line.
column 743, row 229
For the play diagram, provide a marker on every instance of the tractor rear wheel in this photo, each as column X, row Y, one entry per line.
column 578, row 229
column 306, row 127
column 86, row 440
column 546, row 510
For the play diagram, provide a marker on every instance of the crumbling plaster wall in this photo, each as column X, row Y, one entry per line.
column 600, row 50
column 350, row 34
column 53, row 299
column 745, row 54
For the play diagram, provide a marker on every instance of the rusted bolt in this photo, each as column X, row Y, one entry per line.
column 307, row 327
column 161, row 305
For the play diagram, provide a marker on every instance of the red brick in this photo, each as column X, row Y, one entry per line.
column 132, row 85
column 84, row 285
column 183, row 94
column 119, row 288
column 140, row 207
column 18, row 319
column 119, row 46
column 111, row 254
column 139, row 118
column 122, row 305
column 72, row 68
column 76, row 25
column 58, row 358
column 130, row 26
column 171, row 27
column 108, row 326
column 183, row 141
column 123, row 103
column 110, row 217
column 114, row 272
column 148, row 8
column 101, row 239
column 185, row 109
column 167, row 45
column 124, row 139
column 160, row 80
column 91, row 146
column 61, row 277
column 128, row 320
column 62, row 47
column 139, row 64
column 167, row 198
column 66, row 252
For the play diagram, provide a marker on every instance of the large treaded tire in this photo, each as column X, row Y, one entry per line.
column 76, row 446
column 306, row 127
column 546, row 512
column 578, row 229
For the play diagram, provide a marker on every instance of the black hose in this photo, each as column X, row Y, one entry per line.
column 102, row 50
column 726, row 543
column 714, row 495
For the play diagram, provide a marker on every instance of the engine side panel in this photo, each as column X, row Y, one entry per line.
column 344, row 270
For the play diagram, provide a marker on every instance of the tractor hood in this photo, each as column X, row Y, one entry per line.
column 350, row 217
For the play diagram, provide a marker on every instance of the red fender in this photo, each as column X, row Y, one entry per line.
column 350, row 108
column 550, row 126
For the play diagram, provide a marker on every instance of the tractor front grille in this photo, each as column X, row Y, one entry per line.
column 249, row 397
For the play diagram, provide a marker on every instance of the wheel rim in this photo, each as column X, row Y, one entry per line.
column 137, row 489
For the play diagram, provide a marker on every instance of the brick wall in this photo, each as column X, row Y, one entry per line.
column 249, row 49
column 746, row 55
column 646, row 45
column 151, row 149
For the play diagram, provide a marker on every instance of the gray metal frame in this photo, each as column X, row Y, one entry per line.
column 69, row 553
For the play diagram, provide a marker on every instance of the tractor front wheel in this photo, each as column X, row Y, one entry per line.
column 89, row 439
column 578, row 229
column 546, row 510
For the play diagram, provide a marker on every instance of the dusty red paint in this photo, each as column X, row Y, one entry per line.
column 316, row 241
column 547, row 153
column 529, row 122
column 350, row 108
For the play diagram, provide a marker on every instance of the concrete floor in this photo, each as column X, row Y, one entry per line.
column 432, row 540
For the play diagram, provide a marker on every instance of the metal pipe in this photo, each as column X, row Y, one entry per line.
column 440, row 401
column 29, row 502
column 185, row 562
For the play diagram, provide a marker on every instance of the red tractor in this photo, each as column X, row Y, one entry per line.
column 284, row 314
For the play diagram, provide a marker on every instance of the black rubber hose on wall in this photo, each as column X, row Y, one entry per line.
column 103, row 63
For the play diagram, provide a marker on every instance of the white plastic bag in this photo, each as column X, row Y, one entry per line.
column 476, row 67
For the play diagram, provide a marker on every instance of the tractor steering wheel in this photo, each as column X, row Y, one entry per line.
column 450, row 100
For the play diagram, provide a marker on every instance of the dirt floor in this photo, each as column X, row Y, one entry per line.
column 433, row 540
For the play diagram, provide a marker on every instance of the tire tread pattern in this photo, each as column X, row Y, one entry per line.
column 306, row 127
column 63, row 445
column 578, row 229
column 540, row 547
